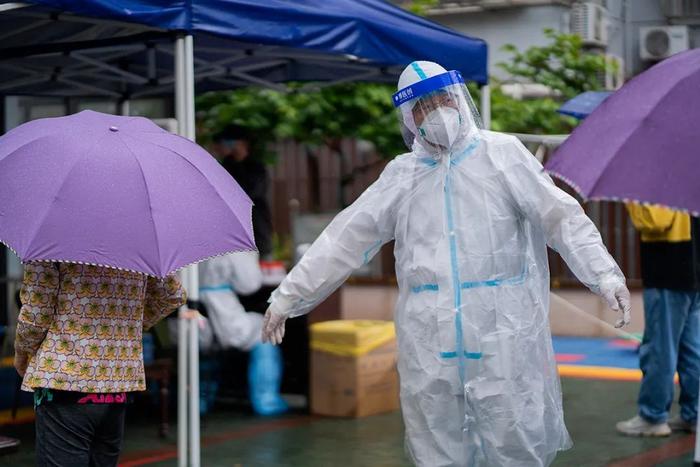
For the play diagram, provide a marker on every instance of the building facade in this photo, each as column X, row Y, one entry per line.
column 636, row 33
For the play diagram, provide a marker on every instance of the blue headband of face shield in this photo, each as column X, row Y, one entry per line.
column 427, row 86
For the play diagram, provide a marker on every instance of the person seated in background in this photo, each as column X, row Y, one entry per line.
column 220, row 280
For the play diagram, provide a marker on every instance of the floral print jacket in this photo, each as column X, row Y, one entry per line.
column 82, row 325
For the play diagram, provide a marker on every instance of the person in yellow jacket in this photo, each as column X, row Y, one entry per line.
column 670, row 255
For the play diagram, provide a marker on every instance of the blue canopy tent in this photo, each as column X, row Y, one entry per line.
column 136, row 48
column 238, row 42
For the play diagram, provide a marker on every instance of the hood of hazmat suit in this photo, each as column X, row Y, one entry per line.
column 471, row 213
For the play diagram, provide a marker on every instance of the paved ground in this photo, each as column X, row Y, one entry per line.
column 233, row 438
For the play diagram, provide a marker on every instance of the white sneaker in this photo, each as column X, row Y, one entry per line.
column 678, row 424
column 637, row 426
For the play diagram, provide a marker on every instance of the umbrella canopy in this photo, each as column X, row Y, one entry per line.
column 124, row 49
column 641, row 144
column 584, row 104
column 119, row 192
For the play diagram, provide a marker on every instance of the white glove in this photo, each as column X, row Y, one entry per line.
column 275, row 317
column 615, row 292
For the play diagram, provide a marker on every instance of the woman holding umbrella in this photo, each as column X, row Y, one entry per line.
column 80, row 367
column 103, row 210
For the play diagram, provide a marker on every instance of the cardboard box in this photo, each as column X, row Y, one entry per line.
column 355, row 386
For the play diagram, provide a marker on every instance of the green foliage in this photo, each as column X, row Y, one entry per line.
column 282, row 248
column 419, row 7
column 361, row 110
column 262, row 111
column 534, row 116
column 365, row 110
column 562, row 65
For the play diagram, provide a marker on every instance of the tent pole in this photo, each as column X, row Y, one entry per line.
column 183, row 322
column 193, row 288
column 182, row 348
column 486, row 106
column 185, row 106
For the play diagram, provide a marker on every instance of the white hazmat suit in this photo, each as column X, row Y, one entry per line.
column 471, row 213
column 220, row 280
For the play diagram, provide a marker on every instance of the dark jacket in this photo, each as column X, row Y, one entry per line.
column 670, row 248
column 251, row 175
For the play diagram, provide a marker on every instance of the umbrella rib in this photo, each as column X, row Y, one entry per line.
column 640, row 127
column 22, row 146
column 55, row 197
column 40, row 224
column 7, row 157
column 148, row 195
column 233, row 211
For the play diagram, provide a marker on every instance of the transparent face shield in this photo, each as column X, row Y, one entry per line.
column 437, row 113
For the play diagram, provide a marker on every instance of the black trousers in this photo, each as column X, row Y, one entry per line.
column 79, row 435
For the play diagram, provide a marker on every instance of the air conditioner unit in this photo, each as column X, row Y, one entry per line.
column 659, row 42
column 614, row 76
column 590, row 21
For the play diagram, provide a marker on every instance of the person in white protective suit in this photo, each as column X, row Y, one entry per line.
column 471, row 212
column 221, row 279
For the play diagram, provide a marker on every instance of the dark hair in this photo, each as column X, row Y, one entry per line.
column 232, row 131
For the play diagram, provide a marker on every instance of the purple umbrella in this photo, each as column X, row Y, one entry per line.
column 116, row 191
column 643, row 142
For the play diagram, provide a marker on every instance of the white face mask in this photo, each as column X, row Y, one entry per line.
column 441, row 127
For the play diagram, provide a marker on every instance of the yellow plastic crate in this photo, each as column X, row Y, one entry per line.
column 351, row 338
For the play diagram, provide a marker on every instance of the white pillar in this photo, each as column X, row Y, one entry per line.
column 486, row 106
column 194, row 444
column 124, row 107
column 183, row 327
column 188, row 342
column 183, row 332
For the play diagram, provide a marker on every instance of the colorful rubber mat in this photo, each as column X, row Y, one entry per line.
column 597, row 358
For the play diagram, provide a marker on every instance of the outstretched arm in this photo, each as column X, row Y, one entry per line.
column 567, row 228
column 351, row 240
